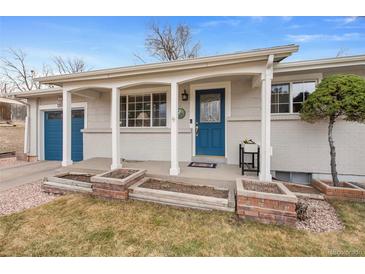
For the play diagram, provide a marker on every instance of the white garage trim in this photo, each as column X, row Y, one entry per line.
column 53, row 107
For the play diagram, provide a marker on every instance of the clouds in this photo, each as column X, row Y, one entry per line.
column 303, row 38
column 232, row 22
column 342, row 20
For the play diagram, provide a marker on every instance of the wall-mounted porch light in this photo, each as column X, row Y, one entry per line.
column 185, row 96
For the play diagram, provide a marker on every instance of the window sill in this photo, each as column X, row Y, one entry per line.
column 285, row 116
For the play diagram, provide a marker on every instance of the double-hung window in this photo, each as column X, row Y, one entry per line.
column 143, row 110
column 289, row 97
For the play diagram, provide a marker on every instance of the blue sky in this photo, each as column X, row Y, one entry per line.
column 112, row 41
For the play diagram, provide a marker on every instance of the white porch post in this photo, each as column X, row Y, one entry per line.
column 66, row 127
column 265, row 148
column 175, row 169
column 115, row 124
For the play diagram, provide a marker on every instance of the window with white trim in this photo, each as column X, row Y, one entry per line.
column 280, row 98
column 143, row 110
column 289, row 97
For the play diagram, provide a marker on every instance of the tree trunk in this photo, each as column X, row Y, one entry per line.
column 332, row 152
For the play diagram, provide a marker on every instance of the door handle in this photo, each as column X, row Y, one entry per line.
column 196, row 129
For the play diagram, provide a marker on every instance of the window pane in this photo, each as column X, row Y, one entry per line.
column 297, row 107
column 210, row 106
column 159, row 109
column 283, row 108
column 301, row 91
column 274, row 98
column 123, row 108
column 284, row 98
column 146, row 123
column 274, row 108
column 162, row 122
column 139, row 106
column 139, row 99
column 156, row 97
column 138, row 123
column 280, row 98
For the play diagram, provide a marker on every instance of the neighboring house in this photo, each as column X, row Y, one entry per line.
column 12, row 110
column 133, row 113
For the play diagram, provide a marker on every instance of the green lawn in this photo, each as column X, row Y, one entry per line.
column 83, row 226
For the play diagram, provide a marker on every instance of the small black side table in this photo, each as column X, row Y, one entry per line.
column 249, row 166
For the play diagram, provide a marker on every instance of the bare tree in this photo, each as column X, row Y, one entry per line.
column 16, row 73
column 168, row 44
column 342, row 52
column 69, row 65
column 3, row 86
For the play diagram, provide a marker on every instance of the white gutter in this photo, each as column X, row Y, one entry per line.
column 202, row 62
column 356, row 60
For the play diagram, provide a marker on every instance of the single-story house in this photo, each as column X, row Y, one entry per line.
column 197, row 109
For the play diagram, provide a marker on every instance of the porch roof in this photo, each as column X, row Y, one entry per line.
column 280, row 53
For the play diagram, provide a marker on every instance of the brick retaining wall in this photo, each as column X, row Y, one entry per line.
column 265, row 207
column 347, row 191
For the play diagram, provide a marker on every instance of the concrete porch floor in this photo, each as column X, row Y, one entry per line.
column 222, row 176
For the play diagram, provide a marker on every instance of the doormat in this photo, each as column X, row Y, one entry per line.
column 203, row 165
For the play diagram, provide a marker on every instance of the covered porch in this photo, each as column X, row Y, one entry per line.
column 172, row 145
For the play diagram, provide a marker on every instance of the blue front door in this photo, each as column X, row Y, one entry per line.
column 53, row 135
column 210, row 122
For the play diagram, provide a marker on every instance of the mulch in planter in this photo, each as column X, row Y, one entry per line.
column 184, row 188
column 341, row 184
column 120, row 173
column 261, row 187
column 301, row 189
column 78, row 177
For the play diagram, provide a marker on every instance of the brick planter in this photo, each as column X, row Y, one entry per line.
column 105, row 186
column 346, row 191
column 265, row 206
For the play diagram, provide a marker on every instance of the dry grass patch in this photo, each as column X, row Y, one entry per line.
column 83, row 226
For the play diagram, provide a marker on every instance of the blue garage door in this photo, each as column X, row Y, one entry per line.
column 53, row 135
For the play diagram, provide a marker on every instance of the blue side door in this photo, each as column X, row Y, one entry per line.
column 53, row 135
column 210, row 120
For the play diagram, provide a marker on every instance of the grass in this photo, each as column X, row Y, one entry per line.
column 83, row 226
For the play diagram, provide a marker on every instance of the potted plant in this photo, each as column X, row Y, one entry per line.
column 249, row 145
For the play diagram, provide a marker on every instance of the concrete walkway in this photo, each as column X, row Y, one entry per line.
column 19, row 175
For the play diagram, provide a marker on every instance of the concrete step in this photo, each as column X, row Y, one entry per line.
column 175, row 202
column 67, row 187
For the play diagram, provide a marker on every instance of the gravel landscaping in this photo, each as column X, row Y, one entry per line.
column 23, row 197
column 320, row 216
